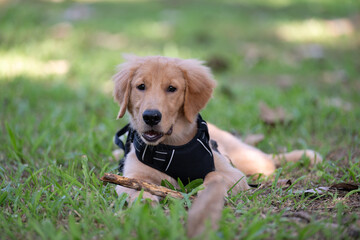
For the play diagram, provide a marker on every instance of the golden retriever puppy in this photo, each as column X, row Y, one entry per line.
column 170, row 140
column 163, row 97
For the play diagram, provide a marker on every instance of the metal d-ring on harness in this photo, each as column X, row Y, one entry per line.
column 188, row 162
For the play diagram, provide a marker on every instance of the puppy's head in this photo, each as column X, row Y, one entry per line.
column 157, row 91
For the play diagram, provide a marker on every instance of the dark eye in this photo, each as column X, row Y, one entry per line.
column 141, row 87
column 171, row 89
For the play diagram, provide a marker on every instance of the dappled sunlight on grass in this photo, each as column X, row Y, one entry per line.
column 273, row 3
column 13, row 65
column 278, row 4
column 102, row 1
column 94, row 1
column 315, row 30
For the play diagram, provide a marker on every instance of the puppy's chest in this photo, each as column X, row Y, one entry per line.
column 191, row 161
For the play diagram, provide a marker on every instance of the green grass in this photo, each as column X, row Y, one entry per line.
column 57, row 116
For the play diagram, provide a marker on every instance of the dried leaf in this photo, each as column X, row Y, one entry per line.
column 78, row 12
column 281, row 183
column 345, row 186
column 339, row 103
column 285, row 81
column 252, row 54
column 203, row 37
column 324, row 190
column 314, row 191
column 24, row 218
column 272, row 116
column 218, row 63
column 228, row 92
column 335, row 77
column 254, row 139
column 254, row 185
column 319, row 190
column 311, row 51
column 61, row 30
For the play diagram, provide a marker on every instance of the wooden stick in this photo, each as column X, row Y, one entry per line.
column 140, row 184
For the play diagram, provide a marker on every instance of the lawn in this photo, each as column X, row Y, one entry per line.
column 57, row 115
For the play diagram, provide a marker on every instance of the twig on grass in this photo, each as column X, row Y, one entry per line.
column 139, row 184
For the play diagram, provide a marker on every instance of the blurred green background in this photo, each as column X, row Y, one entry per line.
column 57, row 58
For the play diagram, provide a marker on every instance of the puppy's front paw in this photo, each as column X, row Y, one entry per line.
column 133, row 195
column 154, row 199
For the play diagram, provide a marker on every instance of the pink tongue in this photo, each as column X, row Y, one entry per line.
column 152, row 134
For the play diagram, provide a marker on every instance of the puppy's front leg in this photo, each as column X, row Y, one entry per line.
column 208, row 205
column 135, row 169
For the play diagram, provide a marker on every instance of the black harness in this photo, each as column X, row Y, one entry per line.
column 187, row 162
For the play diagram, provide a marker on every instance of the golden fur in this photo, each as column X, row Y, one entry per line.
column 194, row 86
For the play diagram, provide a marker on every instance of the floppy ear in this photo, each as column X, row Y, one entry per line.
column 122, row 82
column 199, row 86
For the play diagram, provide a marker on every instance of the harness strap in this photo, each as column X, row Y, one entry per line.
column 125, row 147
column 187, row 162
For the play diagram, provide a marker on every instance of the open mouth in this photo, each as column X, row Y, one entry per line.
column 153, row 136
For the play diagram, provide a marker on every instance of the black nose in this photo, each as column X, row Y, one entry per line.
column 152, row 117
